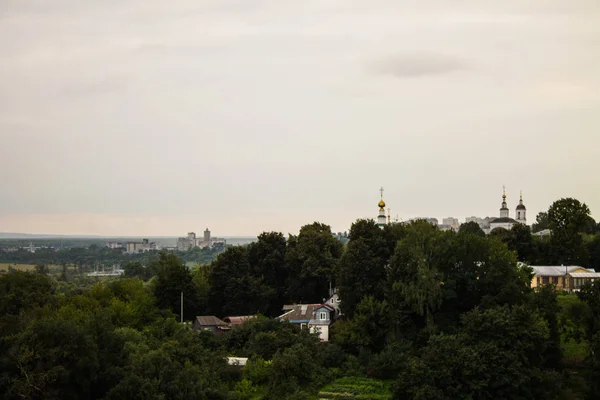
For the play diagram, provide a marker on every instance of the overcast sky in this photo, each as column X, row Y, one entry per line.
column 148, row 117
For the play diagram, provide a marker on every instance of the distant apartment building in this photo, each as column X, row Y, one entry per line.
column 115, row 245
column 450, row 223
column 484, row 223
column 140, row 247
column 191, row 241
column 432, row 221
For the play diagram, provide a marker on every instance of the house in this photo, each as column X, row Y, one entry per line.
column 334, row 302
column 237, row 361
column 315, row 317
column 564, row 277
column 210, row 323
column 238, row 320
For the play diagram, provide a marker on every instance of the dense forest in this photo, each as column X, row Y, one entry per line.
column 426, row 315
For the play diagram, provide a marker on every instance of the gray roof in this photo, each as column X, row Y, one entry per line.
column 521, row 207
column 585, row 274
column 302, row 312
column 555, row 270
column 209, row 320
column 239, row 320
column 502, row 220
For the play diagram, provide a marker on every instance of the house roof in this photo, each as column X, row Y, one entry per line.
column 502, row 220
column 555, row 270
column 238, row 320
column 585, row 274
column 209, row 320
column 301, row 312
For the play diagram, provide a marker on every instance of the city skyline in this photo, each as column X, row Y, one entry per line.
column 146, row 118
column 461, row 219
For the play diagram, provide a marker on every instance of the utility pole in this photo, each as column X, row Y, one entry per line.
column 182, row 307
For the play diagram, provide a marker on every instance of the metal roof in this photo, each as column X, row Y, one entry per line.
column 585, row 274
column 300, row 312
column 209, row 320
column 555, row 270
column 238, row 320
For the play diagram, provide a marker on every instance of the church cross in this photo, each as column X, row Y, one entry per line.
column 381, row 190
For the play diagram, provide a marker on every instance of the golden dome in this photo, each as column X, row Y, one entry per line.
column 381, row 203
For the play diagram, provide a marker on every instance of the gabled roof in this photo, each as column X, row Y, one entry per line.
column 302, row 312
column 556, row 270
column 238, row 320
column 209, row 320
column 585, row 274
column 327, row 306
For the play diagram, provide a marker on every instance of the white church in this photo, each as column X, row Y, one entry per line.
column 505, row 221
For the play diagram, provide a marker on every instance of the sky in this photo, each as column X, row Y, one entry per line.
column 146, row 117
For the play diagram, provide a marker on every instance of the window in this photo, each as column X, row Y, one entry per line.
column 332, row 300
column 545, row 280
column 302, row 326
column 323, row 316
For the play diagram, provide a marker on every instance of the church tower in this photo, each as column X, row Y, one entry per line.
column 521, row 211
column 381, row 219
column 504, row 209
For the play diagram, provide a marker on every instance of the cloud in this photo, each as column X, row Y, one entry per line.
column 418, row 64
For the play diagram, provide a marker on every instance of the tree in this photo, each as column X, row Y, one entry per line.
column 541, row 222
column 21, row 291
column 567, row 219
column 414, row 278
column 594, row 252
column 312, row 259
column 471, row 227
column 520, row 240
column 136, row 269
column 234, row 288
column 173, row 278
column 367, row 330
column 362, row 266
column 568, row 214
column 267, row 260
column 478, row 272
column 502, row 234
column 42, row 269
column 498, row 353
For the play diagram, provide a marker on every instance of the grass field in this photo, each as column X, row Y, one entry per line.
column 26, row 267
column 351, row 387
column 19, row 267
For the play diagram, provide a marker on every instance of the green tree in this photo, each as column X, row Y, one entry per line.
column 173, row 278
column 541, row 222
column 593, row 248
column 414, row 279
column 520, row 240
column 234, row 288
column 312, row 259
column 136, row 269
column 267, row 261
column 367, row 330
column 567, row 219
column 471, row 227
column 568, row 214
column 497, row 354
column 362, row 266
column 20, row 291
